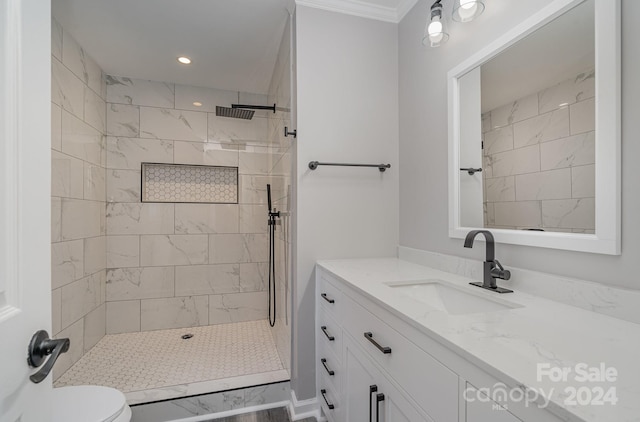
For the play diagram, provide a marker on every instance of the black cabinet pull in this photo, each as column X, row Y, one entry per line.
column 329, row 336
column 324, row 363
column 324, row 296
column 379, row 398
column 383, row 349
column 372, row 389
column 324, row 396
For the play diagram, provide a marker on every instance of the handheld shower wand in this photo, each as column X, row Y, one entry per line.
column 273, row 214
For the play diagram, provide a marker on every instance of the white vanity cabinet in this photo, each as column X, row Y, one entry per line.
column 369, row 395
column 358, row 379
column 329, row 368
column 486, row 410
column 432, row 385
column 363, row 346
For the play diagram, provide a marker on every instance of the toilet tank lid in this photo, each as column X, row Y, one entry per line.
column 87, row 403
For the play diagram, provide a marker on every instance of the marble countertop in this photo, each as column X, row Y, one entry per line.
column 509, row 344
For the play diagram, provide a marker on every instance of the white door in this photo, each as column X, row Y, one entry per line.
column 25, row 203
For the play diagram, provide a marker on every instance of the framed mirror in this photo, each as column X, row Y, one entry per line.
column 534, row 132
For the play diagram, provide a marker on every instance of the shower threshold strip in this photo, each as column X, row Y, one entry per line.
column 158, row 365
column 205, row 387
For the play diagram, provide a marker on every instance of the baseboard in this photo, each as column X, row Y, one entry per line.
column 301, row 409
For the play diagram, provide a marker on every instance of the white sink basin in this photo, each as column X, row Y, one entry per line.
column 446, row 297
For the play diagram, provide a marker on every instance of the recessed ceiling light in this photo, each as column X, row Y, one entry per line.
column 197, row 103
column 184, row 60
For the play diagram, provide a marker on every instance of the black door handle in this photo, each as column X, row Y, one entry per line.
column 379, row 398
column 329, row 371
column 329, row 336
column 324, row 296
column 41, row 346
column 324, row 396
column 383, row 349
column 372, row 389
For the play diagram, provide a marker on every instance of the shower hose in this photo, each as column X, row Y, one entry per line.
column 272, row 271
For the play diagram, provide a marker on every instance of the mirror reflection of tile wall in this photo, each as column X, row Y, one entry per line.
column 539, row 159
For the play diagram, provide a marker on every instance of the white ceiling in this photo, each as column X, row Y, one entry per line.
column 554, row 53
column 233, row 43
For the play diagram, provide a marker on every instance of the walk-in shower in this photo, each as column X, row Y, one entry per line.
column 166, row 277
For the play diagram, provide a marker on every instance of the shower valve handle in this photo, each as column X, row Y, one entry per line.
column 288, row 132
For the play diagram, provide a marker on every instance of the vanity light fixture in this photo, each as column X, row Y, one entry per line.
column 467, row 10
column 435, row 34
column 184, row 60
column 197, row 103
column 463, row 11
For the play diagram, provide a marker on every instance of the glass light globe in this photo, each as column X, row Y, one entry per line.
column 467, row 10
column 435, row 35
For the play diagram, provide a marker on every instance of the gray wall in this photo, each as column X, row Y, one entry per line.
column 347, row 110
column 423, row 144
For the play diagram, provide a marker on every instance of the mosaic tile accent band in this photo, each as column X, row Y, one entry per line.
column 182, row 183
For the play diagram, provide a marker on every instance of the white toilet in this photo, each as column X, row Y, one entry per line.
column 88, row 403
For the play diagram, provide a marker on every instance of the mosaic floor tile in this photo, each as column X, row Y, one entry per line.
column 154, row 359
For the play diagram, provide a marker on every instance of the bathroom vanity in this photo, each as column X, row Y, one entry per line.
column 398, row 341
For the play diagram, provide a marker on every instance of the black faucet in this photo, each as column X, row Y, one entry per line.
column 492, row 267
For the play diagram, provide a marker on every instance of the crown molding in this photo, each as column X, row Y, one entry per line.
column 362, row 8
column 404, row 6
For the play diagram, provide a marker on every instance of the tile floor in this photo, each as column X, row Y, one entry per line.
column 279, row 414
column 151, row 360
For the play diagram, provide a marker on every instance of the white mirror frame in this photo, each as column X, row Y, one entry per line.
column 606, row 239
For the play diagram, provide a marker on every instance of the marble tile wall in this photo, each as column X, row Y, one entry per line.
column 78, row 189
column 539, row 160
column 174, row 265
column 209, row 404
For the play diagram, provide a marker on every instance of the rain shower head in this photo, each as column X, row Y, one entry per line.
column 236, row 113
column 241, row 111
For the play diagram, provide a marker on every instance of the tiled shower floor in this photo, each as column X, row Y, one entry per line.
column 159, row 365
